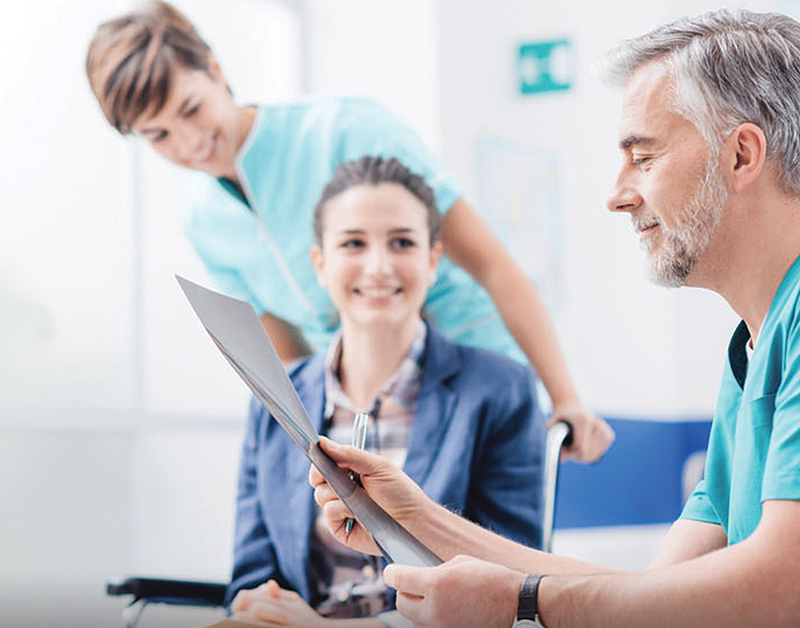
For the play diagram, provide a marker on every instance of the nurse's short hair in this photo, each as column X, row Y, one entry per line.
column 728, row 67
column 374, row 171
column 132, row 58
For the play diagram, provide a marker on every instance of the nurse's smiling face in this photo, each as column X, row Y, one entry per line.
column 200, row 126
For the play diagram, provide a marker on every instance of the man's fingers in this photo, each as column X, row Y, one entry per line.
column 324, row 494
column 413, row 581
column 461, row 558
column 413, row 608
column 348, row 458
column 315, row 478
column 336, row 516
column 352, row 458
column 336, row 512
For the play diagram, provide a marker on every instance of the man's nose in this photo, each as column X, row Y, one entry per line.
column 624, row 197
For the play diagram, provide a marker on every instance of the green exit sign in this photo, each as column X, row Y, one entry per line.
column 545, row 66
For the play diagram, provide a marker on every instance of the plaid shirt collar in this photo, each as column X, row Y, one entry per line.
column 403, row 386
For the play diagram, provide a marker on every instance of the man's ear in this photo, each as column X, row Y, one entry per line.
column 317, row 263
column 747, row 147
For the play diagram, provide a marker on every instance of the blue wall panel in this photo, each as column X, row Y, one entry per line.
column 640, row 479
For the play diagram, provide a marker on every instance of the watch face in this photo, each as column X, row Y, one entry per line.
column 526, row 623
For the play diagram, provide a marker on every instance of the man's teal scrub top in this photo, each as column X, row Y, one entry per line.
column 262, row 256
column 754, row 447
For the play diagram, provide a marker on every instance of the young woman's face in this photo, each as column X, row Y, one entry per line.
column 376, row 260
column 200, row 125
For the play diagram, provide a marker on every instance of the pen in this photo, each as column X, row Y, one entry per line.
column 358, row 441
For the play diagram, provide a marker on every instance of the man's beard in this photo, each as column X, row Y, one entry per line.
column 684, row 245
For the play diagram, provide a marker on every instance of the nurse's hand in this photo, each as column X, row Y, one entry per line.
column 591, row 435
column 387, row 485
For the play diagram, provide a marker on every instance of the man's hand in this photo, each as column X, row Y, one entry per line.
column 591, row 435
column 462, row 593
column 387, row 485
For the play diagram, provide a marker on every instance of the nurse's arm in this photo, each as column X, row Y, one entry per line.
column 288, row 340
column 472, row 245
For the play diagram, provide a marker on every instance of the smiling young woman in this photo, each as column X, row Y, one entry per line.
column 462, row 421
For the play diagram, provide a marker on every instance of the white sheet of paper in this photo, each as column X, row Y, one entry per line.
column 236, row 329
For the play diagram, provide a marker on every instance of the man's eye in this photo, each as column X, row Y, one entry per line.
column 638, row 161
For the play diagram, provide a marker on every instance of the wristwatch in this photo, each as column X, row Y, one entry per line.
column 528, row 609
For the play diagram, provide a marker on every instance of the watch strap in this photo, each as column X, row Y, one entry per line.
column 528, row 597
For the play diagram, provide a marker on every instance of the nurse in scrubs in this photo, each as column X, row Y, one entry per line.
column 261, row 170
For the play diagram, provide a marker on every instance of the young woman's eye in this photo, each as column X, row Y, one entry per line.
column 403, row 243
column 158, row 137
column 352, row 243
column 189, row 113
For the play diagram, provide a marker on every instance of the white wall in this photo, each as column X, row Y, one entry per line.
column 385, row 50
column 65, row 317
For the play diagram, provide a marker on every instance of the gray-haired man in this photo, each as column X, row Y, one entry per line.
column 710, row 135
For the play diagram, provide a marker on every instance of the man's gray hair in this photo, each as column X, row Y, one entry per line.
column 729, row 67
